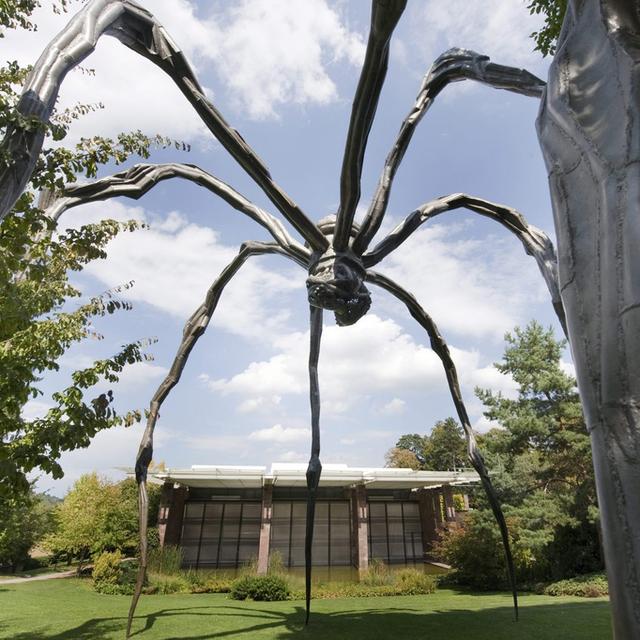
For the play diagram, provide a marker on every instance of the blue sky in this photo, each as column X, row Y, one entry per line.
column 285, row 79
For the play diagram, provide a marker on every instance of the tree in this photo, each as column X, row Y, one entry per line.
column 98, row 515
column 553, row 12
column 37, row 323
column 443, row 449
column 24, row 520
column 540, row 461
column 401, row 459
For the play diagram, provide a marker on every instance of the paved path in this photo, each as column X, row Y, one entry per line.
column 44, row 576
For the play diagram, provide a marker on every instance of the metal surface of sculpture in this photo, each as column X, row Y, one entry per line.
column 335, row 253
column 589, row 128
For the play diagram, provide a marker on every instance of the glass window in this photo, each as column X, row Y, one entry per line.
column 331, row 533
column 395, row 532
column 220, row 534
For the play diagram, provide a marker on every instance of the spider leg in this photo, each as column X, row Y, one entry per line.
column 384, row 17
column 194, row 328
column 441, row 349
column 536, row 242
column 137, row 29
column 141, row 178
column 315, row 467
column 453, row 65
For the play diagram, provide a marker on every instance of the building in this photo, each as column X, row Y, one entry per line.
column 225, row 516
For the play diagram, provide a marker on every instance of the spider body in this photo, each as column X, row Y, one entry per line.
column 334, row 252
column 336, row 279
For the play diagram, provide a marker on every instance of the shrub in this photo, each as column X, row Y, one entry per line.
column 269, row 588
column 114, row 576
column 166, row 560
column 276, row 563
column 588, row 586
column 377, row 574
column 165, row 585
column 217, row 585
column 413, row 582
column 241, row 588
column 406, row 582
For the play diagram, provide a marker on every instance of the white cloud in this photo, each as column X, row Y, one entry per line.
column 261, row 403
column 498, row 28
column 270, row 52
column 141, row 373
column 292, row 456
column 278, row 433
column 394, row 407
column 109, row 449
column 474, row 288
column 136, row 94
column 372, row 356
column 483, row 424
column 35, row 409
column 175, row 262
column 568, row 367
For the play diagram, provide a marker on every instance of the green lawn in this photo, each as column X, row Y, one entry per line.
column 69, row 609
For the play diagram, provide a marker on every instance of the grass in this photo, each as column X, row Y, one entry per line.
column 70, row 610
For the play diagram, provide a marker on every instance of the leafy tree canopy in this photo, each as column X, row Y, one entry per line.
column 98, row 515
column 24, row 520
column 401, row 459
column 540, row 463
column 553, row 12
column 37, row 322
column 441, row 450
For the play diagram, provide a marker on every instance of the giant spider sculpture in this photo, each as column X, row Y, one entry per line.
column 335, row 253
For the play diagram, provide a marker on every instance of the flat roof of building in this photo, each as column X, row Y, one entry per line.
column 286, row 474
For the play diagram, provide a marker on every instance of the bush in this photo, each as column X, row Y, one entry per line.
column 379, row 582
column 269, row 588
column 474, row 551
column 166, row 560
column 593, row 585
column 217, row 585
column 276, row 563
column 165, row 585
column 114, row 576
column 413, row 582
column 376, row 575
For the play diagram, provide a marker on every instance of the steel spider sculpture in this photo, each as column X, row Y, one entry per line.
column 335, row 253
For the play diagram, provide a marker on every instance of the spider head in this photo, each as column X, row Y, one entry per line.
column 336, row 282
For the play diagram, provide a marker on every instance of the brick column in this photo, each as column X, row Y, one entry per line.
column 360, row 520
column 427, row 518
column 437, row 506
column 265, row 528
column 171, row 513
column 449, row 504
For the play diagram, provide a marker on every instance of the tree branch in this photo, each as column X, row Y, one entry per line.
column 536, row 243
column 441, row 349
column 384, row 17
column 193, row 329
column 136, row 28
column 141, row 178
column 453, row 65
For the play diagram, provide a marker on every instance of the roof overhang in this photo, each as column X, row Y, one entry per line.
column 294, row 475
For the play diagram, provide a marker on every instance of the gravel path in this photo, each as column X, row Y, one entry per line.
column 44, row 576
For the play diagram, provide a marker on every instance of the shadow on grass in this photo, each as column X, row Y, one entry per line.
column 570, row 621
